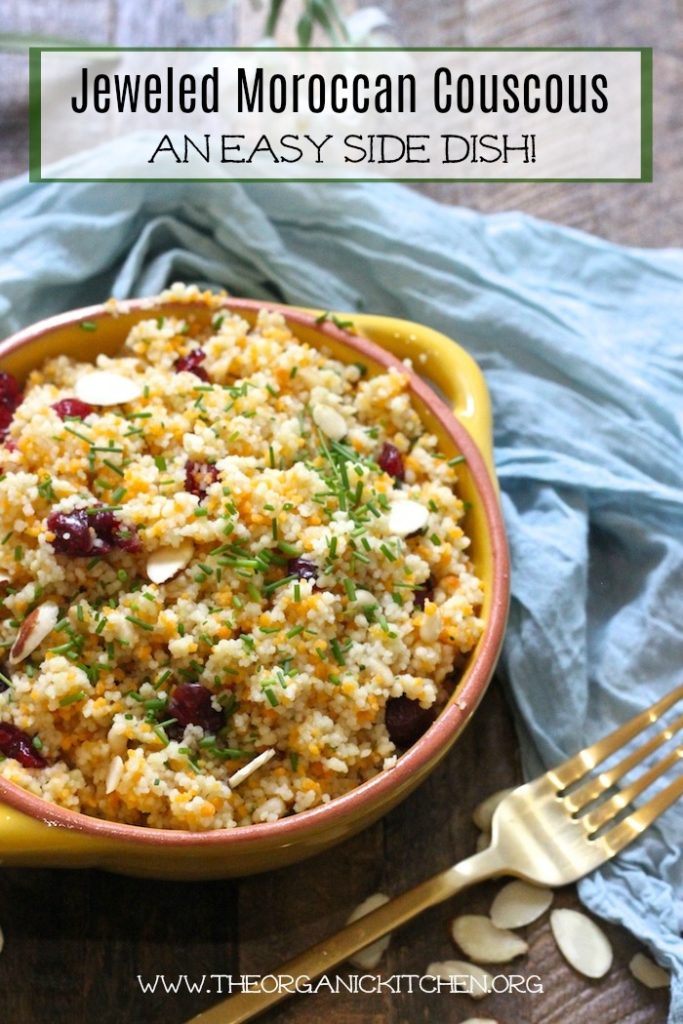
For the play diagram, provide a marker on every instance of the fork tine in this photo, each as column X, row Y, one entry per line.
column 631, row 827
column 594, row 787
column 576, row 767
column 607, row 810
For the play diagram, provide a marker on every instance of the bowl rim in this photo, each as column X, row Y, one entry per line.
column 380, row 788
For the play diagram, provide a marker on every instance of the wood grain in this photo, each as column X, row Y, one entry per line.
column 75, row 942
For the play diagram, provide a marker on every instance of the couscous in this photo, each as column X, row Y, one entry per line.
column 235, row 579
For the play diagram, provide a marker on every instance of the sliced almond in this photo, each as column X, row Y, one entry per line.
column 519, row 903
column 114, row 775
column 469, row 978
column 165, row 563
column 249, row 769
column 103, row 387
column 483, row 841
column 364, row 598
column 480, row 1020
column 368, row 958
column 648, row 973
column 482, row 816
column 581, row 942
column 407, row 517
column 33, row 631
column 479, row 938
column 331, row 422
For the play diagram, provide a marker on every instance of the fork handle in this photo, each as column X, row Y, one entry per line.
column 354, row 937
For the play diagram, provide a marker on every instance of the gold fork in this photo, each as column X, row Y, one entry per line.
column 551, row 831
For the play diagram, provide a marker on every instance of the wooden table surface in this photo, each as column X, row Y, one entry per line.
column 75, row 942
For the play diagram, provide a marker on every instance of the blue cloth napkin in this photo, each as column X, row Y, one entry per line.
column 582, row 345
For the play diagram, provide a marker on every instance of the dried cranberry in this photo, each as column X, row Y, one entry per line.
column 190, row 704
column 9, row 390
column 190, row 364
column 391, row 461
column 6, row 416
column 406, row 721
column 10, row 398
column 10, row 444
column 72, row 532
column 424, row 593
column 80, row 533
column 17, row 744
column 199, row 476
column 302, row 568
column 110, row 533
column 70, row 408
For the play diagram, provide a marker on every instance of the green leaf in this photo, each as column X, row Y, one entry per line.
column 273, row 18
column 304, row 29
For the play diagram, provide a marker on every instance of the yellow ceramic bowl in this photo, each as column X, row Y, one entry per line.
column 36, row 833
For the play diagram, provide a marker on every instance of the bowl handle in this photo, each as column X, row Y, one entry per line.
column 445, row 365
column 25, row 841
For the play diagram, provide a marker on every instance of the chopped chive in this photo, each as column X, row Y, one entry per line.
column 82, row 437
column 160, row 732
column 456, row 461
column 350, row 589
column 270, row 587
column 270, row 695
column 140, row 622
column 337, row 652
column 72, row 698
column 88, row 325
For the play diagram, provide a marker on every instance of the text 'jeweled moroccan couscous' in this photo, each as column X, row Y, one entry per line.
column 235, row 581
